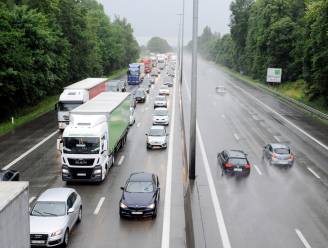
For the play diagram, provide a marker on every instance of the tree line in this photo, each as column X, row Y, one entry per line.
column 48, row 44
column 288, row 34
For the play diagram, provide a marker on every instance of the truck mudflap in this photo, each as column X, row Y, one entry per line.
column 70, row 174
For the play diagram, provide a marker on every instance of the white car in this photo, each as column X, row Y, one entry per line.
column 53, row 217
column 160, row 101
column 164, row 90
column 132, row 117
column 161, row 116
column 157, row 137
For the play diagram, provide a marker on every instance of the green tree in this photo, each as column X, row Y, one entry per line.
column 158, row 45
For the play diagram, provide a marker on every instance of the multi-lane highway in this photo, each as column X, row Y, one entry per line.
column 273, row 207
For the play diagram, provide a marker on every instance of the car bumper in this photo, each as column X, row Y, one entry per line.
column 165, row 123
column 127, row 212
column 49, row 242
column 156, row 146
column 160, row 105
column 140, row 99
column 232, row 172
column 282, row 162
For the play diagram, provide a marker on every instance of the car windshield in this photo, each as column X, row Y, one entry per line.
column 157, row 132
column 81, row 145
column 164, row 87
column 68, row 106
column 139, row 93
column 282, row 151
column 160, row 98
column 160, row 112
column 49, row 209
column 139, row 187
column 237, row 161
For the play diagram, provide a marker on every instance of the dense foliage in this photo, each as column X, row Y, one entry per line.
column 289, row 34
column 48, row 44
column 158, row 45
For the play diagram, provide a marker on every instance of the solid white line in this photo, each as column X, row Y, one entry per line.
column 257, row 169
column 214, row 197
column 138, row 125
column 313, row 172
column 277, row 138
column 302, row 238
column 29, row 151
column 281, row 117
column 121, row 160
column 31, row 199
column 236, row 136
column 101, row 201
column 168, row 185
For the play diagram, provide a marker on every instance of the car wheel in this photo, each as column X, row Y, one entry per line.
column 154, row 214
column 79, row 218
column 66, row 239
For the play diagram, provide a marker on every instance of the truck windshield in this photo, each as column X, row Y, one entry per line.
column 81, row 145
column 68, row 106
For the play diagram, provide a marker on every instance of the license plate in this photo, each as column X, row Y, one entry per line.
column 137, row 213
column 81, row 174
column 37, row 241
column 238, row 169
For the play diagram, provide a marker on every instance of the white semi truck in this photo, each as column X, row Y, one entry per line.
column 14, row 215
column 76, row 94
column 97, row 130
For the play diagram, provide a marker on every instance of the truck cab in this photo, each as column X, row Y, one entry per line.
column 68, row 100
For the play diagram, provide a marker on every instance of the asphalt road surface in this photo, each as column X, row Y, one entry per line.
column 273, row 207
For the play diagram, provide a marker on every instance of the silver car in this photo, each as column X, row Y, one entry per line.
column 161, row 116
column 164, row 90
column 160, row 101
column 278, row 154
column 157, row 137
column 53, row 216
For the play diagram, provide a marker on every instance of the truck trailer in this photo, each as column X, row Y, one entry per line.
column 14, row 215
column 134, row 74
column 97, row 130
column 76, row 94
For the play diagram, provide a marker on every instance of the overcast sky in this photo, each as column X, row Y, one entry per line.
column 159, row 17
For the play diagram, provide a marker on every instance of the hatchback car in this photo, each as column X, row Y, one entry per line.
column 140, row 95
column 234, row 162
column 164, row 90
column 160, row 101
column 140, row 197
column 161, row 116
column 53, row 217
column 157, row 137
column 9, row 175
column 278, row 154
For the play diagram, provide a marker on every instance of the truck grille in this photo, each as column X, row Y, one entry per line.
column 81, row 173
column 81, row 162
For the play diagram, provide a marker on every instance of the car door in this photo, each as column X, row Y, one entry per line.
column 71, row 216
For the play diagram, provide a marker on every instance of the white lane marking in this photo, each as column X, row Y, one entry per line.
column 277, row 138
column 29, row 151
column 31, row 199
column 223, row 116
column 214, row 196
column 121, row 160
column 138, row 125
column 101, row 201
column 255, row 117
column 236, row 136
column 257, row 169
column 313, row 172
column 281, row 117
column 168, row 185
column 302, row 238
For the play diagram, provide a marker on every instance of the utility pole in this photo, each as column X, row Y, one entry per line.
column 179, row 47
column 193, row 103
column 182, row 42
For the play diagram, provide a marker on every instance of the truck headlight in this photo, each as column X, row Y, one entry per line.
column 65, row 171
column 56, row 233
column 97, row 171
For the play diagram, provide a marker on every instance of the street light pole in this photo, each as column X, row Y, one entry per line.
column 182, row 44
column 179, row 45
column 193, row 103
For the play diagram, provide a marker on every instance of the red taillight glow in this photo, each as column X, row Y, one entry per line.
column 228, row 165
column 247, row 166
column 274, row 155
column 291, row 157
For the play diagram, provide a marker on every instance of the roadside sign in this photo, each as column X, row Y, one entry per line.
column 274, row 75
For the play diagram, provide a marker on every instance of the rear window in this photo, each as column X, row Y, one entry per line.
column 237, row 161
column 282, row 151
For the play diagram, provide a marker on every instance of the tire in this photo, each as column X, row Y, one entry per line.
column 79, row 218
column 66, row 239
column 154, row 214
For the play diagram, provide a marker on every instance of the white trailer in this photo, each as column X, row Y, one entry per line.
column 14, row 215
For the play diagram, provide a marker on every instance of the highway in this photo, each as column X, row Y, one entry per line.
column 273, row 207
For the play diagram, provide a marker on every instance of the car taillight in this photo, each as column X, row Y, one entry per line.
column 291, row 157
column 247, row 166
column 227, row 165
column 274, row 155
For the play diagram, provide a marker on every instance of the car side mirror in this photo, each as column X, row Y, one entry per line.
column 71, row 210
column 146, row 134
column 122, row 188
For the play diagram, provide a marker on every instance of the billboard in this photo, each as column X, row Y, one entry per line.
column 274, row 75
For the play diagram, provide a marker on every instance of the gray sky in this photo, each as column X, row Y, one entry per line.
column 159, row 17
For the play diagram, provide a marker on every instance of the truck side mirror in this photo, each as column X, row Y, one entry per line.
column 56, row 107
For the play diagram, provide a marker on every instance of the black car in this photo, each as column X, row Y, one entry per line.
column 9, row 175
column 140, row 95
column 140, row 196
column 234, row 162
column 168, row 83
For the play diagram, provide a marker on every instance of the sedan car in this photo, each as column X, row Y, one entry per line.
column 140, row 197
column 140, row 95
column 157, row 137
column 53, row 217
column 164, row 90
column 168, row 83
column 160, row 101
column 234, row 162
column 9, row 175
column 161, row 116
column 278, row 154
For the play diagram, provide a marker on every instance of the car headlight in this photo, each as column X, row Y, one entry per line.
column 151, row 205
column 122, row 205
column 56, row 233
